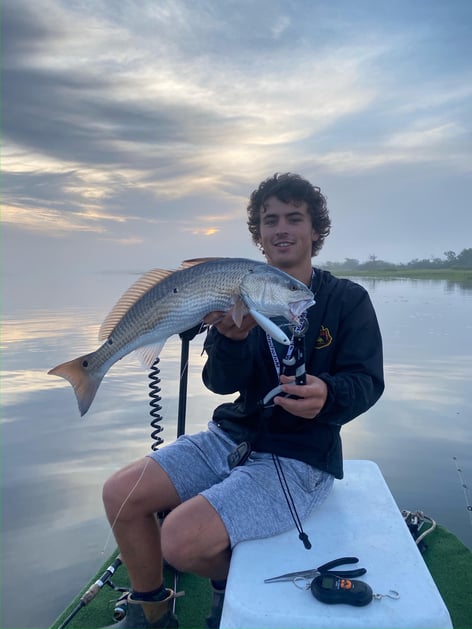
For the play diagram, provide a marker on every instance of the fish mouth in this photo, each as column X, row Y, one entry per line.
column 297, row 308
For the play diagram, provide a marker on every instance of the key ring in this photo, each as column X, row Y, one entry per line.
column 391, row 594
column 301, row 583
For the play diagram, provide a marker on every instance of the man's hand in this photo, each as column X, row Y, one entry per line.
column 224, row 323
column 312, row 396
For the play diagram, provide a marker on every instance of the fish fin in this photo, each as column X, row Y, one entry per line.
column 194, row 261
column 149, row 353
column 238, row 311
column 130, row 297
column 85, row 383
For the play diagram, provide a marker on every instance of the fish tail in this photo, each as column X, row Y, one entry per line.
column 85, row 383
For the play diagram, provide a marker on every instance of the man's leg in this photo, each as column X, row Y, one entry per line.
column 194, row 539
column 132, row 497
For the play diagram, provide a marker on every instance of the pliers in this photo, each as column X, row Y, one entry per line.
column 307, row 576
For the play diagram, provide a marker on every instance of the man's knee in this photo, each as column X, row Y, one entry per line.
column 140, row 489
column 193, row 535
column 114, row 493
column 124, row 493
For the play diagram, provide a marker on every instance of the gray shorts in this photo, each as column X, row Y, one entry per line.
column 249, row 498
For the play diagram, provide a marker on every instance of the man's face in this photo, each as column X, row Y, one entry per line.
column 286, row 233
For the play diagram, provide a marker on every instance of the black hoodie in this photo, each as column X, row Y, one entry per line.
column 343, row 347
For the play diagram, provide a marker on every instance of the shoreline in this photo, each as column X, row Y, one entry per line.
column 453, row 275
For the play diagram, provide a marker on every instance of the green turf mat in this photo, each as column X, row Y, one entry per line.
column 191, row 609
column 448, row 559
column 450, row 563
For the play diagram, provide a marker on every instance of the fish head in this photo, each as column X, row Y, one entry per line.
column 274, row 293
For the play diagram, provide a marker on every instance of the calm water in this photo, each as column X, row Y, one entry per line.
column 54, row 532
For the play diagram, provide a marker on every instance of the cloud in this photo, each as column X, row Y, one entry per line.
column 146, row 103
column 207, row 231
column 141, row 112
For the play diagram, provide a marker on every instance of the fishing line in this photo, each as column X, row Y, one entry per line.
column 123, row 504
column 156, row 417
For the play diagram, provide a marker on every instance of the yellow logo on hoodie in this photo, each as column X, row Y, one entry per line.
column 324, row 339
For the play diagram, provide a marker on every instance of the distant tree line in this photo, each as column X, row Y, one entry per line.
column 463, row 260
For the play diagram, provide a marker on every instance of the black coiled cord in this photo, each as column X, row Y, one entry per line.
column 155, row 398
column 154, row 388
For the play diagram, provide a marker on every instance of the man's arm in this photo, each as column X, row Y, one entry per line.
column 355, row 380
column 228, row 366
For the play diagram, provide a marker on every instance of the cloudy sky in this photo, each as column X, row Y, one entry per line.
column 135, row 130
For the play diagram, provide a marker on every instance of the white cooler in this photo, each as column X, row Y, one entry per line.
column 360, row 518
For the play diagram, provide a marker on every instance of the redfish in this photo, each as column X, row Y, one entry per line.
column 163, row 303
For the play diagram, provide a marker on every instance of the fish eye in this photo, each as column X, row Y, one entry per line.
column 293, row 287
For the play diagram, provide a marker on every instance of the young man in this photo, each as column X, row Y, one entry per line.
column 294, row 440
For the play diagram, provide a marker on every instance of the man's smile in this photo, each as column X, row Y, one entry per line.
column 283, row 243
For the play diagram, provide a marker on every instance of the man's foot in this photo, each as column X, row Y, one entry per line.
column 148, row 614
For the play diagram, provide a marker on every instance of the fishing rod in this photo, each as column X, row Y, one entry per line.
column 465, row 489
column 94, row 589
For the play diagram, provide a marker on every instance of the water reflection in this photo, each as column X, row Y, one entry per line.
column 448, row 286
column 55, row 463
column 464, row 286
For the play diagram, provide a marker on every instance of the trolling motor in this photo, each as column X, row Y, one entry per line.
column 156, row 418
column 154, row 399
column 154, row 390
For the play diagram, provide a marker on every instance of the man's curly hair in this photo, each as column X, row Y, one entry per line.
column 289, row 187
